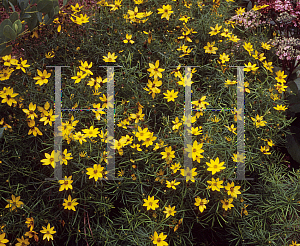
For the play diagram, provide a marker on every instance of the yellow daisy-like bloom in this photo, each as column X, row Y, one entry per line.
column 85, row 67
column 30, row 112
column 169, row 211
column 80, row 75
column 250, row 67
column 201, row 203
column 210, row 49
column 232, row 190
column 42, row 78
column 189, row 174
column 159, row 239
column 48, row 232
column 280, row 108
column 70, row 204
column 229, row 82
column 8, row 96
column 3, row 240
column 49, row 159
column 240, row 11
column 66, row 183
column 294, row 243
column 224, row 58
column 80, row 19
column 14, row 202
column 128, row 39
column 265, row 46
column 248, row 47
column 150, row 203
column 215, row 166
column 227, row 204
column 215, row 184
column 22, row 242
column 265, row 150
column 155, row 70
column 165, row 11
column 258, row 121
column 215, row 30
column 172, row 184
column 170, row 95
column 110, row 57
column 96, row 172
column 280, row 77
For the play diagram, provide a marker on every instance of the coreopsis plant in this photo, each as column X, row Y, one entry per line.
column 144, row 170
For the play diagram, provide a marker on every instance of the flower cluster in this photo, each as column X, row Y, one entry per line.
column 286, row 48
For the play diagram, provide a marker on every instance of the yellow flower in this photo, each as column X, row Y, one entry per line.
column 175, row 167
column 280, row 87
column 227, row 204
column 294, row 243
column 189, row 174
column 8, row 96
column 169, row 211
column 30, row 112
column 30, row 223
column 280, row 76
column 3, row 240
column 215, row 166
column 170, row 95
column 66, row 183
column 85, row 67
column 22, row 242
column 80, row 75
column 215, row 30
column 49, row 159
column 110, row 57
column 240, row 11
column 250, row 67
column 215, row 184
column 96, row 172
column 128, row 39
column 172, row 184
column 265, row 46
column 229, row 82
column 210, row 49
column 155, row 70
column 232, row 190
column 280, row 107
column 48, row 232
column 48, row 117
column 248, row 47
column 165, row 11
column 238, row 157
column 42, row 78
column 91, row 132
column 150, row 203
column 80, row 137
column 265, row 149
column 185, row 18
column 76, row 8
column 159, row 239
column 231, row 128
column 80, row 19
column 224, row 58
column 22, row 65
column 14, row 202
column 258, row 121
column 70, row 204
column 115, row 6
column 268, row 66
column 201, row 203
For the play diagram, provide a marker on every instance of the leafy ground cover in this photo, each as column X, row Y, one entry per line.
column 157, row 200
